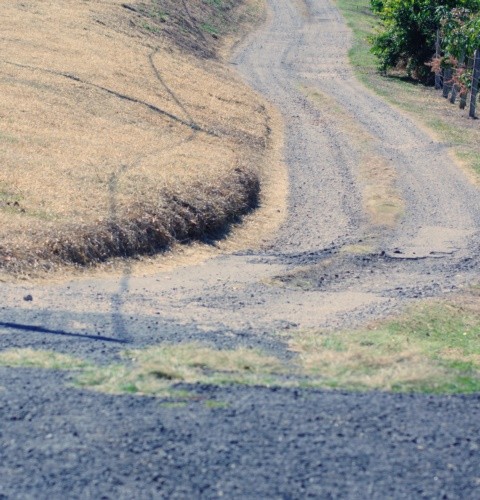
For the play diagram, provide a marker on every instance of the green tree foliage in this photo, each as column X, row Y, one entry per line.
column 408, row 32
column 460, row 33
column 460, row 29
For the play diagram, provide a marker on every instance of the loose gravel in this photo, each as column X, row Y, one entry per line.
column 234, row 443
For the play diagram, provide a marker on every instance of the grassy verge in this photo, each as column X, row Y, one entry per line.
column 156, row 370
column 124, row 132
column 434, row 348
column 445, row 121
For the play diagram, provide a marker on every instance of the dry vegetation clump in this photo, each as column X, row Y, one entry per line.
column 122, row 129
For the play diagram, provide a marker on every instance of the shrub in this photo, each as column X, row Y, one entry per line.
column 408, row 32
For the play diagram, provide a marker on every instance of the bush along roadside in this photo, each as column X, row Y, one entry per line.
column 434, row 42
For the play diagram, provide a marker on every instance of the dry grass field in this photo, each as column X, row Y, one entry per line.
column 122, row 129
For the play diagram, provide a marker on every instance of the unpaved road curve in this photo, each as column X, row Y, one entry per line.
column 58, row 441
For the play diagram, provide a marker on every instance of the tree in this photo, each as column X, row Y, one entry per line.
column 460, row 29
column 408, row 32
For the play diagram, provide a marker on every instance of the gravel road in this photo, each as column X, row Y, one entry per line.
column 57, row 441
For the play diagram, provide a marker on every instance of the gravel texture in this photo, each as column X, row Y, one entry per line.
column 257, row 443
column 57, row 441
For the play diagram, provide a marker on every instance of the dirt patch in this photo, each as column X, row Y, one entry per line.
column 125, row 131
column 198, row 27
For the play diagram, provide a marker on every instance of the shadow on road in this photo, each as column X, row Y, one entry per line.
column 41, row 329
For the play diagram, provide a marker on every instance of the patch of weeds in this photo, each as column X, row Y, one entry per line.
column 472, row 158
column 10, row 201
column 157, row 14
column 449, row 133
column 434, row 349
column 182, row 394
column 157, row 369
column 214, row 3
column 333, row 344
column 8, row 196
column 49, row 360
column 220, row 5
column 210, row 28
column 129, row 388
column 150, row 28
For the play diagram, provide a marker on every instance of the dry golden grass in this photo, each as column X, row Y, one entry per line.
column 156, row 370
column 113, row 141
column 49, row 360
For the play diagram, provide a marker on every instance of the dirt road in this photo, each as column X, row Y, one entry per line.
column 339, row 259
column 331, row 262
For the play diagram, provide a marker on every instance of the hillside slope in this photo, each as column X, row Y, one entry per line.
column 121, row 128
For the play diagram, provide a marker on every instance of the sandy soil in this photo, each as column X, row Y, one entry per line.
column 332, row 263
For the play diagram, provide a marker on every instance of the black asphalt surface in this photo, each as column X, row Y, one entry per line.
column 59, row 442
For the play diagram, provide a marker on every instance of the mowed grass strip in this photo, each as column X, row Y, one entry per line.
column 444, row 121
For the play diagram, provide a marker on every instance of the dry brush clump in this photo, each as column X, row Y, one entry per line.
column 194, row 212
column 117, row 136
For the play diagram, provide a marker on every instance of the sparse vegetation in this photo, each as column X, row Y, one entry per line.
column 208, row 28
column 433, row 348
column 49, row 360
column 157, row 370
